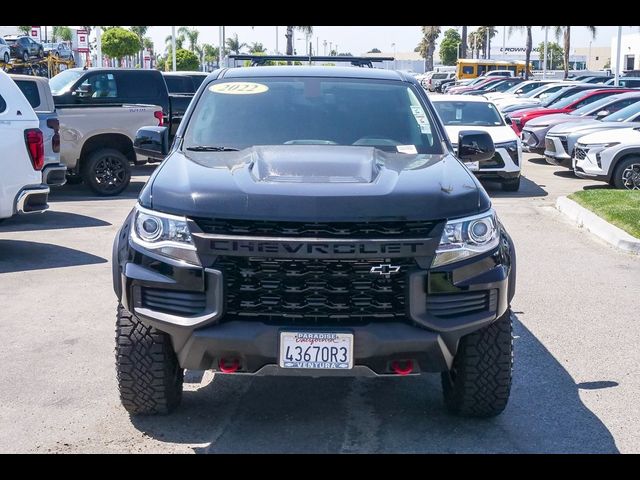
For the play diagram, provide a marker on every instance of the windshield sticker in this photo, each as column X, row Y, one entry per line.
column 238, row 88
column 407, row 149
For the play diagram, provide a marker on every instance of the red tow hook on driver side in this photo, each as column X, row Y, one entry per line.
column 229, row 367
column 402, row 367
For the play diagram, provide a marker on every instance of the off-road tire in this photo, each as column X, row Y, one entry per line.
column 511, row 185
column 479, row 382
column 149, row 376
column 92, row 167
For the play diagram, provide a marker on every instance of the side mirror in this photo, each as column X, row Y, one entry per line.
column 601, row 114
column 507, row 120
column 475, row 146
column 152, row 142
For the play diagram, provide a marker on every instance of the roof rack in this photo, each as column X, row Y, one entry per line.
column 257, row 60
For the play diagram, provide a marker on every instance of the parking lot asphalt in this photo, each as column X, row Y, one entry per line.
column 577, row 362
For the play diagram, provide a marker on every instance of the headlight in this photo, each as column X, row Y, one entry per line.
column 466, row 237
column 164, row 234
column 600, row 146
column 511, row 148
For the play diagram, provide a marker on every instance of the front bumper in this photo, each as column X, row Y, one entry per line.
column 555, row 152
column 202, row 340
column 533, row 140
column 587, row 165
column 54, row 174
column 32, row 200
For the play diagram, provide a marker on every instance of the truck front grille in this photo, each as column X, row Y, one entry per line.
column 310, row 291
column 580, row 153
column 359, row 230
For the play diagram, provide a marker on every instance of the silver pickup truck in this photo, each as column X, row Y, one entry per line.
column 95, row 143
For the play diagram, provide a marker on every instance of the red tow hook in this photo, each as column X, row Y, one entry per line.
column 229, row 368
column 402, row 367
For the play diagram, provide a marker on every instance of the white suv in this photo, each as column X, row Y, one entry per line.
column 22, row 159
column 611, row 156
column 466, row 112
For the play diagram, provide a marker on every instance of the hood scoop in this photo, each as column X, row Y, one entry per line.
column 315, row 164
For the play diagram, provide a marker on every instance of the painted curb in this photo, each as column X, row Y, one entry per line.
column 598, row 226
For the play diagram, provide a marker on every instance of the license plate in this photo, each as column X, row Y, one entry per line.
column 317, row 350
column 473, row 166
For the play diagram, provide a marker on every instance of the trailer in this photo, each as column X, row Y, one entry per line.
column 41, row 67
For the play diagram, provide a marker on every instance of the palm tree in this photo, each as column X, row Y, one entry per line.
column 210, row 52
column 256, row 47
column 463, row 40
column 477, row 39
column 25, row 29
column 179, row 42
column 289, row 36
column 528, row 47
column 489, row 33
column 191, row 34
column 140, row 32
column 566, row 30
column 427, row 45
column 234, row 45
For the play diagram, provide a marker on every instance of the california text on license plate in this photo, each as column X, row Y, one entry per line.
column 320, row 350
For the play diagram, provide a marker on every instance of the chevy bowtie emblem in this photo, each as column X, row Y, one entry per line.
column 385, row 269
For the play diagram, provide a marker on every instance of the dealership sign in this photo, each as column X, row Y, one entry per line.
column 83, row 41
column 35, row 33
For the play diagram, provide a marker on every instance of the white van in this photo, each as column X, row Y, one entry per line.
column 22, row 159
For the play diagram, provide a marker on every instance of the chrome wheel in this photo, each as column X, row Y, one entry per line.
column 631, row 177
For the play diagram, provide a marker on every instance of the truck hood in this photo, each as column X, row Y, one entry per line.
column 323, row 183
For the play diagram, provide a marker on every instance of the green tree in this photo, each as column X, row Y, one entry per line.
column 489, row 33
column 449, row 47
column 256, row 47
column 527, row 47
column 191, row 35
column 62, row 33
column 566, row 33
column 179, row 42
column 210, row 52
column 476, row 42
column 289, row 36
column 118, row 43
column 555, row 55
column 374, row 50
column 25, row 30
column 427, row 45
column 185, row 60
column 234, row 45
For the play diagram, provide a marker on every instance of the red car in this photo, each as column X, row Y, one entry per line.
column 566, row 105
column 465, row 88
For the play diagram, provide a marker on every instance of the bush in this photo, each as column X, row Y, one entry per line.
column 185, row 60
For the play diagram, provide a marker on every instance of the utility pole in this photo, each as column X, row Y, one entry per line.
column 317, row 46
column 324, row 44
column 504, row 40
column 173, row 47
column 277, row 52
column 546, row 40
column 330, row 49
column 618, row 57
column 99, row 46
column 220, row 46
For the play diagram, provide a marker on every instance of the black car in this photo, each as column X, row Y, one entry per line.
column 184, row 82
column 24, row 47
column 313, row 221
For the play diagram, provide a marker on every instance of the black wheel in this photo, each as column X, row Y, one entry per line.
column 5, row 59
column 107, row 172
column 511, row 185
column 627, row 174
column 149, row 376
column 41, row 53
column 25, row 56
column 479, row 382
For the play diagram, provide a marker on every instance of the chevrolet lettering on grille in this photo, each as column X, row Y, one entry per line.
column 385, row 270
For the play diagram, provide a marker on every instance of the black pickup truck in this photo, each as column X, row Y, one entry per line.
column 104, row 86
column 314, row 221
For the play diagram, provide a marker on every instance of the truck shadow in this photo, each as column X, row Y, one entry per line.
column 329, row 415
column 50, row 220
column 21, row 256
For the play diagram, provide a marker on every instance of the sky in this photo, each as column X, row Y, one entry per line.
column 360, row 39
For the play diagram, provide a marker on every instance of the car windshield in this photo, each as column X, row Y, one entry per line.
column 480, row 114
column 10, row 41
column 49, row 45
column 591, row 107
column 63, row 81
column 566, row 101
column 240, row 113
column 559, row 95
column 624, row 114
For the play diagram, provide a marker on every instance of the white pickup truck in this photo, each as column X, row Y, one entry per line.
column 22, row 158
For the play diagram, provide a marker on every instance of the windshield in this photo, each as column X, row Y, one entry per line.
column 480, row 114
column 566, row 101
column 63, row 81
column 591, row 107
column 559, row 95
column 624, row 114
column 237, row 114
column 542, row 90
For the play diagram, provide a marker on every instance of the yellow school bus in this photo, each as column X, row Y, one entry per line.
column 476, row 67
